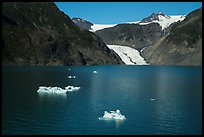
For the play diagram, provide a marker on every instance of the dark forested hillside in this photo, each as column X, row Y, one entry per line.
column 38, row 33
column 181, row 46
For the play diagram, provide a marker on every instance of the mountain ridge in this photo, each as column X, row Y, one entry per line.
column 139, row 35
column 181, row 46
column 38, row 33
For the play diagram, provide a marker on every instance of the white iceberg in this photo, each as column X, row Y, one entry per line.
column 113, row 115
column 72, row 88
column 51, row 89
column 95, row 71
column 152, row 99
column 43, row 89
column 71, row 77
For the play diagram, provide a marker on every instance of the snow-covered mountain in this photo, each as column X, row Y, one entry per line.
column 152, row 38
column 182, row 45
column 163, row 20
column 155, row 16
column 139, row 33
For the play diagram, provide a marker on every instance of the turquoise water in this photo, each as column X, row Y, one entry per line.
column 177, row 108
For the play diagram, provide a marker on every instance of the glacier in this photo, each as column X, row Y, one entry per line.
column 164, row 22
column 96, row 27
column 128, row 55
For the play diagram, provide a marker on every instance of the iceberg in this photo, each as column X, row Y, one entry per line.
column 71, row 76
column 51, row 89
column 95, row 71
column 43, row 89
column 113, row 115
column 72, row 88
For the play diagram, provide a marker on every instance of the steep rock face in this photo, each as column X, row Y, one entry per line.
column 132, row 35
column 181, row 46
column 38, row 33
column 82, row 23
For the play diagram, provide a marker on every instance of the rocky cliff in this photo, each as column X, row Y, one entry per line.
column 38, row 33
column 181, row 46
column 132, row 35
column 82, row 23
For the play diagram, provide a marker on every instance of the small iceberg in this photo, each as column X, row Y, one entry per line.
column 43, row 89
column 152, row 99
column 71, row 77
column 58, row 90
column 95, row 71
column 113, row 115
column 72, row 88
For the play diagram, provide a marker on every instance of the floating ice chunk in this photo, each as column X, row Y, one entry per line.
column 69, row 69
column 152, row 99
column 43, row 89
column 113, row 115
column 95, row 71
column 57, row 90
column 107, row 115
column 71, row 77
column 72, row 88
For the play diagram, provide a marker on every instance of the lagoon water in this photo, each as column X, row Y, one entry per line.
column 154, row 100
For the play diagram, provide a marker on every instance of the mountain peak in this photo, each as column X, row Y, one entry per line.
column 161, row 13
column 82, row 23
column 155, row 16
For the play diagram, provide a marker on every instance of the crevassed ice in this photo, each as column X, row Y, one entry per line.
column 128, row 55
column 43, row 89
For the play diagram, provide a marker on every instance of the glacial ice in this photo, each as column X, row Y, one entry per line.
column 96, row 27
column 43, row 89
column 129, row 56
column 113, row 115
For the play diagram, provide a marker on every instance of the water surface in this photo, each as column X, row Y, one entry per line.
column 177, row 108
